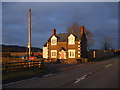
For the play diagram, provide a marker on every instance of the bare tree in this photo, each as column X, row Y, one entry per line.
column 75, row 28
column 106, row 43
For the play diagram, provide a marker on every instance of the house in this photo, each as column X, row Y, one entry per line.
column 66, row 46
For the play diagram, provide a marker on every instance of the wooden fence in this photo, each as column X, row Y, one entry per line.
column 12, row 66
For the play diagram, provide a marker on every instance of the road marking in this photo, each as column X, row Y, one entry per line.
column 90, row 73
column 25, row 80
column 18, row 81
column 79, row 79
column 47, row 75
column 108, row 65
column 82, row 78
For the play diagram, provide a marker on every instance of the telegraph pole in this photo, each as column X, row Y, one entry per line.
column 29, row 34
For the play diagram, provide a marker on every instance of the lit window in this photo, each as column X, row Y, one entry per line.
column 53, row 40
column 71, row 39
column 53, row 53
column 71, row 53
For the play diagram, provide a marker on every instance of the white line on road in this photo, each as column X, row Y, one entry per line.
column 108, row 65
column 25, row 80
column 47, row 75
column 18, row 81
column 90, row 73
column 79, row 79
column 82, row 78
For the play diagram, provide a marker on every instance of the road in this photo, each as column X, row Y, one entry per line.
column 102, row 74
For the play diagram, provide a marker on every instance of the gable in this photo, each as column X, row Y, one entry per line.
column 53, row 37
column 71, row 36
column 53, row 40
column 63, row 37
column 71, row 39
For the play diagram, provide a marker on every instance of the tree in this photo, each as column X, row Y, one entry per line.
column 75, row 28
column 106, row 43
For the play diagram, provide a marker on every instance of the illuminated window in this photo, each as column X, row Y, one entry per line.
column 53, row 53
column 71, row 53
column 53, row 40
column 71, row 39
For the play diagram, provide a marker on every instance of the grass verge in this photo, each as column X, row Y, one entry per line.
column 21, row 73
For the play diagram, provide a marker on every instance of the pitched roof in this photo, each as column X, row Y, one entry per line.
column 63, row 37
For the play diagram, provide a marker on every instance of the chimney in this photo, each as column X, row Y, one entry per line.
column 53, row 31
column 82, row 29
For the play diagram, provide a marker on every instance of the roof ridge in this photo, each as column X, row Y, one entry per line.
column 63, row 33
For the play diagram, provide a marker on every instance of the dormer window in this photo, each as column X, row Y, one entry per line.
column 53, row 40
column 71, row 39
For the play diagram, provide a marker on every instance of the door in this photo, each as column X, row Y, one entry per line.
column 62, row 55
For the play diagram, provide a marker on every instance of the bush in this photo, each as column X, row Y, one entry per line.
column 79, row 60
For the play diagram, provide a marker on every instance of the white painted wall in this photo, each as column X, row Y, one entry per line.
column 45, row 52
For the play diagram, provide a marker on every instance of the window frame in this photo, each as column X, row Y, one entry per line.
column 53, row 40
column 71, row 40
column 71, row 53
column 53, row 53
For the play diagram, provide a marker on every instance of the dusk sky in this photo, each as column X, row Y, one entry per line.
column 100, row 18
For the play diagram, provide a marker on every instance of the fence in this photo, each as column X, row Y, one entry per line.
column 12, row 66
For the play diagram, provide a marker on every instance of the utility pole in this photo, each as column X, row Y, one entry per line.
column 29, row 34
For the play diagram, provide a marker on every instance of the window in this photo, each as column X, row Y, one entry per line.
column 71, row 39
column 71, row 53
column 53, row 40
column 53, row 53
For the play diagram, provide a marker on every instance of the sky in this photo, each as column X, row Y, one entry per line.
column 100, row 18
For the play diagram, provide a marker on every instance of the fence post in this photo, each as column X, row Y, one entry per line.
column 39, row 64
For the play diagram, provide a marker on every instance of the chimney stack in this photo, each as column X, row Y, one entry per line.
column 82, row 29
column 53, row 31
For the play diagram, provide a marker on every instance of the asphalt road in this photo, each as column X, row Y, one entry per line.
column 102, row 74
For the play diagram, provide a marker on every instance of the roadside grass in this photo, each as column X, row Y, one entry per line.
column 21, row 73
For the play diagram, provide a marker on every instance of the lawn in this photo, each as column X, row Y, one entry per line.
column 21, row 73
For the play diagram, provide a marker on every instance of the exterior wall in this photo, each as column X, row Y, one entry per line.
column 100, row 53
column 83, row 47
column 56, row 47
column 66, row 47
column 74, row 47
column 45, row 52
column 79, row 49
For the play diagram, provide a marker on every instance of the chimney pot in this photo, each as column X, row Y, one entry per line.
column 82, row 29
column 53, row 31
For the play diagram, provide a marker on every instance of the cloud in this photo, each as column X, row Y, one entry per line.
column 99, row 18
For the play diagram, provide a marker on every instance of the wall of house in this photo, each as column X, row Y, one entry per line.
column 45, row 52
column 83, row 47
column 74, row 47
column 56, row 47
column 66, row 47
